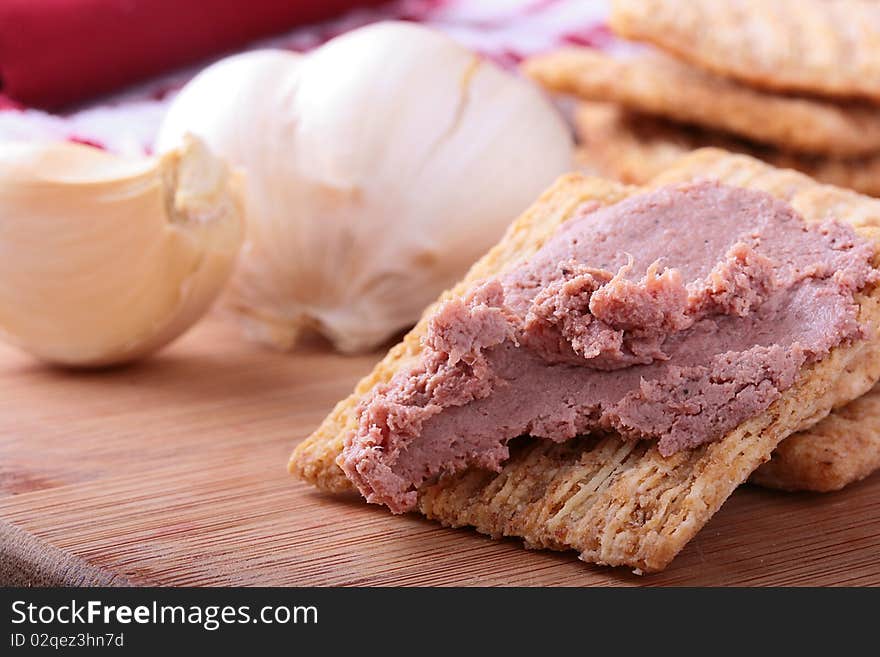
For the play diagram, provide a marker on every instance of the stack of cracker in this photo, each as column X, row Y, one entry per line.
column 795, row 83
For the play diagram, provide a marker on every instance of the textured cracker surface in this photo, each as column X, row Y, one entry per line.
column 635, row 147
column 616, row 502
column 839, row 450
column 827, row 47
column 653, row 83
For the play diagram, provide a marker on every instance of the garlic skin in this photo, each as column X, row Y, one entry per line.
column 105, row 259
column 379, row 167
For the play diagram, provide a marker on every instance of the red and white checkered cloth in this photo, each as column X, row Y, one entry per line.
column 502, row 30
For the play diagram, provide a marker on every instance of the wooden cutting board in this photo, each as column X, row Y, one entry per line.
column 173, row 472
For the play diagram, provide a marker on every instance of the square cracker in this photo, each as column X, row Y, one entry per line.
column 824, row 47
column 635, row 147
column 619, row 502
column 653, row 83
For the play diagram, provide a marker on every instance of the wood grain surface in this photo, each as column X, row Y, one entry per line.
column 173, row 472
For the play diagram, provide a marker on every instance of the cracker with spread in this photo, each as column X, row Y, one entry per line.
column 655, row 345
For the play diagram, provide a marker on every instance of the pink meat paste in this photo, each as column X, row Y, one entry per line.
column 673, row 316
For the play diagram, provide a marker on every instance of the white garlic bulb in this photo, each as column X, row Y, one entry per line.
column 379, row 167
column 104, row 259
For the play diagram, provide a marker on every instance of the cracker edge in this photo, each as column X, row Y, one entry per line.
column 659, row 22
column 659, row 85
column 611, row 147
column 840, row 450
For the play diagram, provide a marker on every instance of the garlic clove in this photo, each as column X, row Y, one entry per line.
column 105, row 259
column 379, row 167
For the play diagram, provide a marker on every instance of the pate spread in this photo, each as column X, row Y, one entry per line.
column 674, row 316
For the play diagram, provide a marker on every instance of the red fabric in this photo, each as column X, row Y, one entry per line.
column 56, row 52
column 6, row 103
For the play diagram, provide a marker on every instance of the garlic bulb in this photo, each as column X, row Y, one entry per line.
column 104, row 259
column 379, row 167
